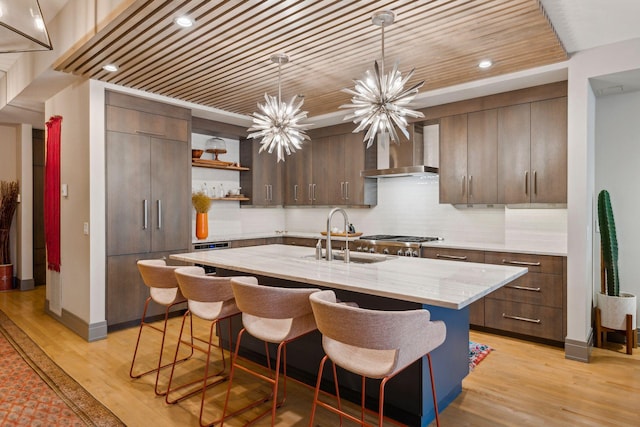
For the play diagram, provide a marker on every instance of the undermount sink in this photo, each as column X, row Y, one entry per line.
column 356, row 258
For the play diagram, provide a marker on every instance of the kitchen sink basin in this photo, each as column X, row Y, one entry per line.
column 355, row 258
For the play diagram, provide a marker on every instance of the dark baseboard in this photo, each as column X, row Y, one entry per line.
column 25, row 285
column 90, row 332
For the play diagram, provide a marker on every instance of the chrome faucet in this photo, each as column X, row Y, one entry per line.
column 346, row 230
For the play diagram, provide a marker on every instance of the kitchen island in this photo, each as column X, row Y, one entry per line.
column 378, row 282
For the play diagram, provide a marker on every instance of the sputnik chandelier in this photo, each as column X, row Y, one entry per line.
column 380, row 101
column 278, row 123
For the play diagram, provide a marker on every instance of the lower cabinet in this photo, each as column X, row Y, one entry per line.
column 127, row 293
column 532, row 305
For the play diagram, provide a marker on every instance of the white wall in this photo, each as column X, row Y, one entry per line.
column 584, row 65
column 72, row 285
column 617, row 152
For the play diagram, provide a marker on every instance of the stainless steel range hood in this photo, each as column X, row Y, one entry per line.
column 419, row 156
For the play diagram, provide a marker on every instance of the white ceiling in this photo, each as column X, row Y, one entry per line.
column 580, row 25
column 584, row 24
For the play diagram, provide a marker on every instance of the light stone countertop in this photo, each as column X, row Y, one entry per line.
column 555, row 247
column 427, row 281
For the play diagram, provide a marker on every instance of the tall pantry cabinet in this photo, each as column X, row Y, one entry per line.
column 148, row 195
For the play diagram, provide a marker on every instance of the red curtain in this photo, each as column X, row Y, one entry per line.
column 52, row 194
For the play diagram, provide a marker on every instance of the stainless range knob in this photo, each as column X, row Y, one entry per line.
column 399, row 253
column 372, row 250
column 415, row 253
column 359, row 249
column 385, row 251
column 407, row 252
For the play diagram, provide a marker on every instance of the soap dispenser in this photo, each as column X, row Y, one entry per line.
column 319, row 250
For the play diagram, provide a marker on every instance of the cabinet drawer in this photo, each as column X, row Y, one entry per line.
column 527, row 319
column 138, row 122
column 535, row 263
column 453, row 254
column 533, row 288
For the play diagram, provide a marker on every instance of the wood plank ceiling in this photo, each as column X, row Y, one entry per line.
column 223, row 61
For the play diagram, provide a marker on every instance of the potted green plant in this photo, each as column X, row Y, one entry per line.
column 8, row 204
column 201, row 203
column 613, row 305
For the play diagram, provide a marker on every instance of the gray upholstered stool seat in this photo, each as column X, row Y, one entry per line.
column 274, row 315
column 209, row 298
column 163, row 290
column 372, row 344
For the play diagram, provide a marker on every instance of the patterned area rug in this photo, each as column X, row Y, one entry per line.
column 34, row 391
column 477, row 352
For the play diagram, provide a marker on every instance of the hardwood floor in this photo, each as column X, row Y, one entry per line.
column 518, row 384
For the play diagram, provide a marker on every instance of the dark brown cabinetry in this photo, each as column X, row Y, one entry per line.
column 298, row 182
column 532, row 305
column 327, row 170
column 263, row 184
column 147, row 195
column 468, row 158
column 532, row 152
column 509, row 148
column 549, row 151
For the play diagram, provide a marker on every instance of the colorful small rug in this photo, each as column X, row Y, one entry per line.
column 477, row 352
column 34, row 391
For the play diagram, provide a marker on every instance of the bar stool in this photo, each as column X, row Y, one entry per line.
column 163, row 290
column 373, row 344
column 274, row 315
column 209, row 298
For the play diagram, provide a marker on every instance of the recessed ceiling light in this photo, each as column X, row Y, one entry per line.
column 485, row 63
column 183, row 21
column 110, row 68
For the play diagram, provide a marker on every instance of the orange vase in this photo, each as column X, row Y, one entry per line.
column 202, row 225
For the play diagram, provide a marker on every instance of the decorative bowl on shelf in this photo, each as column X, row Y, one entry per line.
column 196, row 154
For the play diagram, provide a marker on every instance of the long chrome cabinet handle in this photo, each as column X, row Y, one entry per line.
column 470, row 185
column 522, row 319
column 159, row 214
column 456, row 257
column 530, row 264
column 295, row 192
column 464, row 185
column 346, row 190
column 314, row 192
column 342, row 190
column 310, row 192
column 526, row 182
column 535, row 182
column 523, row 288
column 145, row 212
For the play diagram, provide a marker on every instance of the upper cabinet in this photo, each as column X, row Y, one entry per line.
column 298, row 182
column 514, row 130
column 533, row 152
column 507, row 148
column 263, row 183
column 549, row 151
column 468, row 158
column 327, row 170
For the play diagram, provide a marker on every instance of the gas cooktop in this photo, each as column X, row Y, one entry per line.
column 394, row 238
